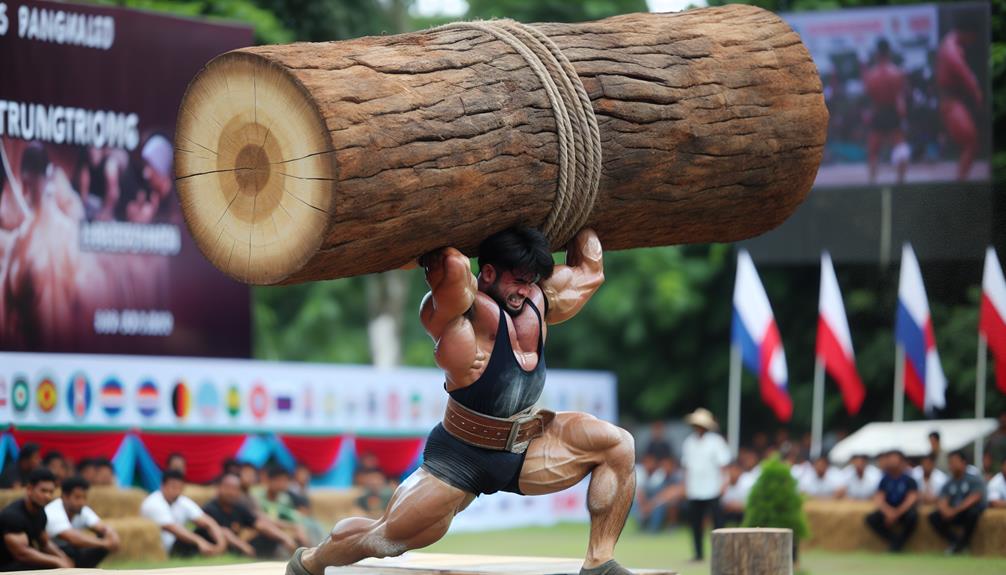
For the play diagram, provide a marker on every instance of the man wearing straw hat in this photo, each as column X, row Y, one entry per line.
column 704, row 454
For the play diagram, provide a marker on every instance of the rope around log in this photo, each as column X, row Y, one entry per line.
column 575, row 123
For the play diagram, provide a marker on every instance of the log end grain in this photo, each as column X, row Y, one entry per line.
column 254, row 168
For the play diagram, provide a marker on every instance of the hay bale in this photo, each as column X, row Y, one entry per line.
column 328, row 506
column 141, row 539
column 8, row 495
column 113, row 502
column 201, row 494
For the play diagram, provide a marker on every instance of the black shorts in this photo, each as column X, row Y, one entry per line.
column 469, row 468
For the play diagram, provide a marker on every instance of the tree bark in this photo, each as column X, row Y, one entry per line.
column 314, row 161
column 752, row 552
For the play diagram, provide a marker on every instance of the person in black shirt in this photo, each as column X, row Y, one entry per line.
column 246, row 533
column 22, row 525
column 28, row 458
column 895, row 500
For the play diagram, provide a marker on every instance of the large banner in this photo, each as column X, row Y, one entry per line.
column 94, row 255
column 908, row 91
column 241, row 396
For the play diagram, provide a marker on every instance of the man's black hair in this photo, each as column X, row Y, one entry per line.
column 100, row 462
column 172, row 474
column 959, row 453
column 883, row 47
column 176, row 455
column 84, row 463
column 28, row 450
column 275, row 471
column 34, row 159
column 74, row 482
column 40, row 474
column 52, row 456
column 935, row 434
column 518, row 249
column 898, row 452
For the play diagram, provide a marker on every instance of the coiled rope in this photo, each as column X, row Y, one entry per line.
column 576, row 125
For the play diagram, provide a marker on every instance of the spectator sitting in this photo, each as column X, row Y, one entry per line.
column 377, row 492
column 735, row 494
column 172, row 511
column 275, row 502
column 56, row 463
column 176, row 461
column 823, row 481
column 87, row 469
column 997, row 488
column 895, row 499
column 799, row 466
column 658, row 446
column 861, row 478
column 299, row 486
column 961, row 503
column 15, row 476
column 104, row 473
column 930, row 479
column 26, row 546
column 939, row 456
column 76, row 529
column 245, row 533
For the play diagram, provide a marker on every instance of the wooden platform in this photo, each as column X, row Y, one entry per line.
column 408, row 564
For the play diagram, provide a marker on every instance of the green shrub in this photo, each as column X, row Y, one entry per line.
column 775, row 502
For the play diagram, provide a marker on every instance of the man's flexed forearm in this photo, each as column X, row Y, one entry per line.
column 571, row 285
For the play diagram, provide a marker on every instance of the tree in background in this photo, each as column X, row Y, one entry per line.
column 775, row 502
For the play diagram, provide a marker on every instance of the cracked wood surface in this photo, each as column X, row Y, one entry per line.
column 378, row 149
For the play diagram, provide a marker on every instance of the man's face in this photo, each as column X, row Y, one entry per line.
column 171, row 489
column 104, row 475
column 821, row 467
column 159, row 183
column 279, row 483
column 957, row 465
column 859, row 464
column 230, row 490
column 734, row 473
column 31, row 183
column 58, row 468
column 41, row 493
column 894, row 463
column 509, row 288
column 934, row 442
column 74, row 501
column 249, row 476
column 649, row 463
column 927, row 465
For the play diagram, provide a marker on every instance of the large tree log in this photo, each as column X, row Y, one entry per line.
column 752, row 551
column 315, row 161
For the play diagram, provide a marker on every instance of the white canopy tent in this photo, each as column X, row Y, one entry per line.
column 911, row 437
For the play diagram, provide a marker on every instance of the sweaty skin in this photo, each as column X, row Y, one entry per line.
column 461, row 314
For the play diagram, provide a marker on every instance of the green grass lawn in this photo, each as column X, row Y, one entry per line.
column 669, row 550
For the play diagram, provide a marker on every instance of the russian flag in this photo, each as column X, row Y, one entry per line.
column 992, row 319
column 834, row 342
column 925, row 383
column 754, row 331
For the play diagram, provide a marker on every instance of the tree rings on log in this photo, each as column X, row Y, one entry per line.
column 254, row 168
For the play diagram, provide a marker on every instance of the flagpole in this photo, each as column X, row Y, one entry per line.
column 899, row 385
column 734, row 400
column 983, row 347
column 817, row 418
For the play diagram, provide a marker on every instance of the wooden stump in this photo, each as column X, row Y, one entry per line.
column 755, row 551
column 314, row 161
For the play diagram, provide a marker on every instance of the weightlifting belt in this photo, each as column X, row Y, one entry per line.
column 511, row 434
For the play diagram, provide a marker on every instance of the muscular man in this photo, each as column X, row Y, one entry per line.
column 959, row 90
column 885, row 86
column 490, row 332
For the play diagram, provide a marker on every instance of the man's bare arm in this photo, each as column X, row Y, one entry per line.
column 571, row 285
column 21, row 550
column 452, row 289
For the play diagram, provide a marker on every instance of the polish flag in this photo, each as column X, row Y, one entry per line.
column 754, row 331
column 925, row 383
column 992, row 320
column 834, row 342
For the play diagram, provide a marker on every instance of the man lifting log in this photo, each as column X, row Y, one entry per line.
column 490, row 333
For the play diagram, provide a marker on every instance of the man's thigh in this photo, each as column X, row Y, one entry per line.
column 421, row 510
column 572, row 445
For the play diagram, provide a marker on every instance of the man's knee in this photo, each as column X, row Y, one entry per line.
column 874, row 519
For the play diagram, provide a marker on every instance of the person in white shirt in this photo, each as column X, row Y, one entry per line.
column 824, row 482
column 929, row 478
column 861, row 478
column 735, row 493
column 172, row 511
column 704, row 454
column 76, row 529
column 996, row 490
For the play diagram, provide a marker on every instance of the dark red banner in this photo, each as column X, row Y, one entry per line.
column 94, row 254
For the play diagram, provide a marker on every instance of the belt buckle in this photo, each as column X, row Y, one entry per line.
column 521, row 447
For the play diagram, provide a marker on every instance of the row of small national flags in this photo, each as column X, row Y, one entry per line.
column 755, row 334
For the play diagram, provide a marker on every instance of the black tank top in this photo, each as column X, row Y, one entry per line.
column 505, row 388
